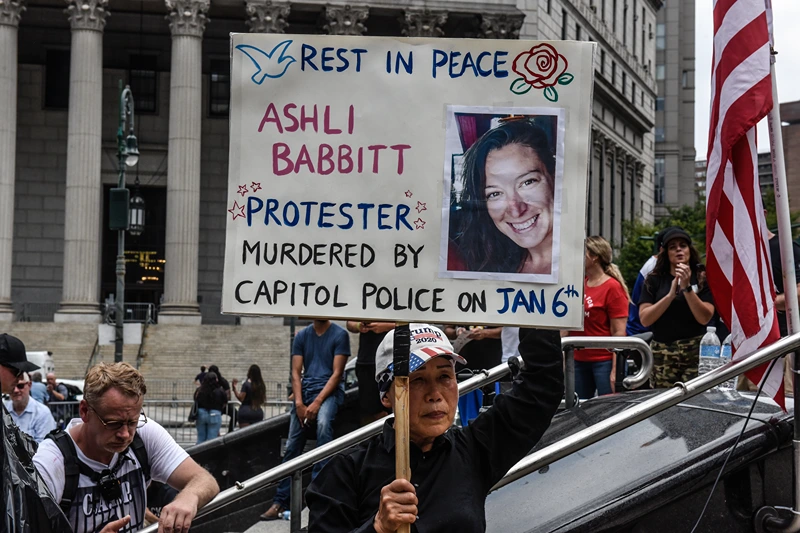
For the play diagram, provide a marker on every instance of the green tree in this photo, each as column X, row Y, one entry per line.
column 768, row 198
column 637, row 247
column 639, row 238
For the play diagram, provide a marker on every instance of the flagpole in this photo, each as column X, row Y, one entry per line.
column 792, row 523
column 782, row 207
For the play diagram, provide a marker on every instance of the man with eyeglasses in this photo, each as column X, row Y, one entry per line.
column 31, row 417
column 107, row 439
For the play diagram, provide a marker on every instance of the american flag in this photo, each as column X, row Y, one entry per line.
column 738, row 254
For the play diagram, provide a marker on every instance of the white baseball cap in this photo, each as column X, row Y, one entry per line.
column 427, row 342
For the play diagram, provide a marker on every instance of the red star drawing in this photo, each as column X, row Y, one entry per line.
column 236, row 207
column 419, row 223
column 256, row 186
column 408, row 194
column 242, row 190
column 421, row 206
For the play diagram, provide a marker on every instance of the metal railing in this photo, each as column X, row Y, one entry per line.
column 641, row 411
column 134, row 312
column 294, row 468
column 171, row 414
column 172, row 389
column 570, row 344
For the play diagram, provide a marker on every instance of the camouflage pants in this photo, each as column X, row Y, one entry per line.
column 674, row 362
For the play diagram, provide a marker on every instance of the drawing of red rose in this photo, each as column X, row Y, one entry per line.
column 541, row 67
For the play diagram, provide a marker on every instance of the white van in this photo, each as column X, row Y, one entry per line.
column 44, row 360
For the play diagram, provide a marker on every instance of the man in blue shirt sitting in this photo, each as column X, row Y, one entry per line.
column 29, row 415
column 38, row 389
column 319, row 354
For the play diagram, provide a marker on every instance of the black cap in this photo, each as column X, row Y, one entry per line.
column 673, row 233
column 660, row 235
column 12, row 353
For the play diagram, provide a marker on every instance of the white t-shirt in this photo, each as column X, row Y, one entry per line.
column 510, row 339
column 89, row 512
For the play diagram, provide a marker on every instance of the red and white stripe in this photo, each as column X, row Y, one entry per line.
column 434, row 351
column 736, row 232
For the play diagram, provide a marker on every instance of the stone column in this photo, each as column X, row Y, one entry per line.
column 10, row 13
column 187, row 21
column 346, row 20
column 630, row 164
column 80, row 292
column 637, row 186
column 420, row 22
column 266, row 16
column 612, row 232
column 501, row 26
column 601, row 190
column 623, row 195
column 594, row 153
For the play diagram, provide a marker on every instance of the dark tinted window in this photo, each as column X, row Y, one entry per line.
column 143, row 78
column 56, row 79
column 219, row 88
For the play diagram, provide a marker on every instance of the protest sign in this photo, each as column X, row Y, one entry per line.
column 439, row 180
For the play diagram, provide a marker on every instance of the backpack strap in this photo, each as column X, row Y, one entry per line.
column 71, row 467
column 141, row 455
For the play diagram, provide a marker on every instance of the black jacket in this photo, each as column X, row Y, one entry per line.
column 454, row 477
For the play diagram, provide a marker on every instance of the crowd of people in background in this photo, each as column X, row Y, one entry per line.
column 212, row 399
column 670, row 301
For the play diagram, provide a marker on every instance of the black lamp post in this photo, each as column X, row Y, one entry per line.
column 119, row 206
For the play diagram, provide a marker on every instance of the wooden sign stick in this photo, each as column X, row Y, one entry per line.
column 400, row 357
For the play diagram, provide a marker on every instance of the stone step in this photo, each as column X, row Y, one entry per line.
column 171, row 352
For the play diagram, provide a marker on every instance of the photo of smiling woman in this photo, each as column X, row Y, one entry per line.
column 503, row 218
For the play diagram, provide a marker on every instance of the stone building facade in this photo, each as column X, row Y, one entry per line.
column 61, row 65
column 674, row 131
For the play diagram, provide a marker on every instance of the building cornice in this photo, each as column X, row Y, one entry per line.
column 607, row 39
column 657, row 4
column 622, row 107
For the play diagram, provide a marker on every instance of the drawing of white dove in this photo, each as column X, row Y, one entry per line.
column 271, row 64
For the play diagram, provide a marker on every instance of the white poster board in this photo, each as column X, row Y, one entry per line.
column 439, row 180
column 107, row 334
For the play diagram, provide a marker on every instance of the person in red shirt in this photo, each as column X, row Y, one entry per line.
column 605, row 314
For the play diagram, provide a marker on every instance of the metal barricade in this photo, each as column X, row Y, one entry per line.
column 172, row 415
column 135, row 312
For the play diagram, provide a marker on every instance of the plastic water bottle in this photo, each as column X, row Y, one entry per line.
column 709, row 351
column 286, row 515
column 725, row 358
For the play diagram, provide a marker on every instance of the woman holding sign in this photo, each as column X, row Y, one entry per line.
column 507, row 214
column 452, row 469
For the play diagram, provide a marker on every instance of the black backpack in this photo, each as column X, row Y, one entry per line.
column 73, row 391
column 72, row 465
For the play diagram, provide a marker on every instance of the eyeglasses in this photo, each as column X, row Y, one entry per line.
column 17, row 371
column 21, row 386
column 116, row 425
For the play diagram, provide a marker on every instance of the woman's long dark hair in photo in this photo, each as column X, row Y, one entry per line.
column 481, row 245
column 258, row 390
